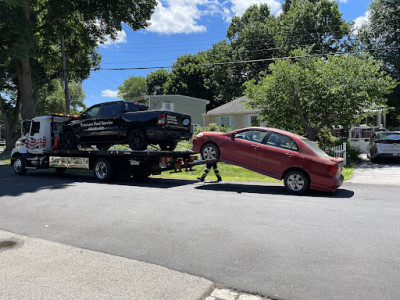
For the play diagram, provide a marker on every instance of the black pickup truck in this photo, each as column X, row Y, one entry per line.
column 120, row 122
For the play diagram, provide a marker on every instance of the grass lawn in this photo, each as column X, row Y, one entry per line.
column 234, row 173
column 4, row 157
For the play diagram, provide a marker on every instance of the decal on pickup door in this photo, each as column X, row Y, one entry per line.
column 94, row 126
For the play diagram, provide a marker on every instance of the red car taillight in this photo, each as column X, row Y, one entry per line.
column 161, row 119
column 333, row 170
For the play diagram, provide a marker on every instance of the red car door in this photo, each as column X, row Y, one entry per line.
column 276, row 154
column 243, row 149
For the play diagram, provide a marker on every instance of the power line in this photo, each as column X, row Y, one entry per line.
column 249, row 61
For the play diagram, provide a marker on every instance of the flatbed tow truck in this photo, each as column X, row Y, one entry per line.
column 39, row 150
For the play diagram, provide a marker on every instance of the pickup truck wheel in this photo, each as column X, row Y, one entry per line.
column 209, row 151
column 103, row 170
column 19, row 165
column 296, row 182
column 137, row 140
column 168, row 146
column 69, row 140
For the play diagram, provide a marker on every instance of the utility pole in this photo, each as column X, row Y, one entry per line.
column 65, row 78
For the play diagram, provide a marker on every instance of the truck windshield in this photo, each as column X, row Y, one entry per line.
column 26, row 125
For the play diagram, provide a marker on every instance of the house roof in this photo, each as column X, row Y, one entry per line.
column 236, row 106
column 147, row 97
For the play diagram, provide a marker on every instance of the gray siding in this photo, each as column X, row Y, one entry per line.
column 188, row 105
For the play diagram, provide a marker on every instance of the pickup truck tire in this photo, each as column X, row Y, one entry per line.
column 19, row 165
column 137, row 139
column 209, row 151
column 69, row 140
column 168, row 145
column 103, row 170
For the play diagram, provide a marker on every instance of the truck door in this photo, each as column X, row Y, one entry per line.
column 87, row 128
column 34, row 142
column 109, row 121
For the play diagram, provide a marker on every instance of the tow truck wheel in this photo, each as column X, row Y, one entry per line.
column 137, row 139
column 296, row 182
column 209, row 151
column 168, row 146
column 19, row 165
column 102, row 169
column 69, row 140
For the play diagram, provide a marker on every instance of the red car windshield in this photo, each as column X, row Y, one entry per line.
column 315, row 148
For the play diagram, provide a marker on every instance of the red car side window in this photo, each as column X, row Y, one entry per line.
column 281, row 141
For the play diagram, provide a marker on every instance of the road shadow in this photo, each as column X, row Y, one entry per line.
column 270, row 190
column 36, row 180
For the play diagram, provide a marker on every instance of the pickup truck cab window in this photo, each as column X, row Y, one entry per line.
column 111, row 109
column 35, row 128
column 92, row 112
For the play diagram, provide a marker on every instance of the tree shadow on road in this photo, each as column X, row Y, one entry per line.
column 270, row 190
column 36, row 180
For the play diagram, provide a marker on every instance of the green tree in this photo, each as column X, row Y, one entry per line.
column 156, row 82
column 309, row 93
column 132, row 87
column 316, row 23
column 50, row 98
column 252, row 37
column 188, row 76
column 35, row 28
column 382, row 32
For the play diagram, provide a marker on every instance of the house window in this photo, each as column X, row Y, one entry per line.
column 251, row 121
column 168, row 106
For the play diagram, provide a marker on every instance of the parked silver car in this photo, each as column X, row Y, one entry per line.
column 385, row 144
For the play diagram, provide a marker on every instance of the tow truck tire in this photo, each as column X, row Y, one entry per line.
column 19, row 165
column 168, row 145
column 137, row 139
column 102, row 169
column 296, row 182
column 69, row 140
column 209, row 151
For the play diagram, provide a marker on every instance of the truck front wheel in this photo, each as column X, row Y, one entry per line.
column 137, row 139
column 19, row 165
column 102, row 169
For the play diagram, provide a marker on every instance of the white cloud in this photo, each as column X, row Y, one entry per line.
column 240, row 6
column 183, row 16
column 361, row 21
column 177, row 16
column 343, row 1
column 109, row 94
column 121, row 39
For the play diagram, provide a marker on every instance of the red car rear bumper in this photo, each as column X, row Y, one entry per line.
column 329, row 185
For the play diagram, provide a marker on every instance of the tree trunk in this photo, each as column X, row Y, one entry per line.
column 28, row 105
column 10, row 124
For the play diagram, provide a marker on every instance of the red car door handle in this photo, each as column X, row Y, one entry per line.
column 255, row 147
column 289, row 154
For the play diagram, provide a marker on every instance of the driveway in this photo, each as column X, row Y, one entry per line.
column 385, row 172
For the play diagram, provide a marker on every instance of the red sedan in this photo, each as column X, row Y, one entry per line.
column 275, row 153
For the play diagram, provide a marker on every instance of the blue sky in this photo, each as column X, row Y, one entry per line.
column 178, row 27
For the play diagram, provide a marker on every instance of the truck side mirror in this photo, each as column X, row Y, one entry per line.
column 83, row 116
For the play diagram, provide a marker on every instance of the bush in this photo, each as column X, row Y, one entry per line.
column 326, row 141
column 212, row 127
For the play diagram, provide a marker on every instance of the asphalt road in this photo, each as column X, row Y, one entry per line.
column 251, row 237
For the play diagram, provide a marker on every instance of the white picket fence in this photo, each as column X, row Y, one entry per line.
column 340, row 151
